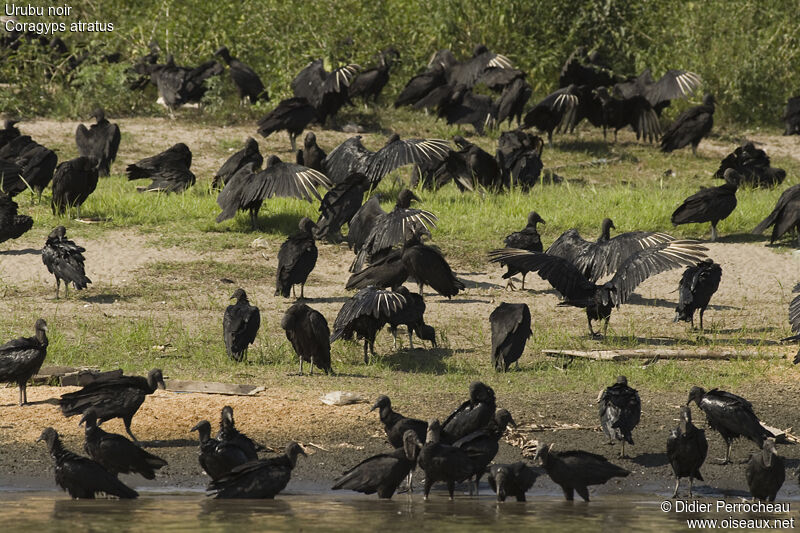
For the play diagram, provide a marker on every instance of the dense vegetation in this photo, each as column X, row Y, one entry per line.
column 747, row 51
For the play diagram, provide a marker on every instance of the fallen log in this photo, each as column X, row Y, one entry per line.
column 651, row 353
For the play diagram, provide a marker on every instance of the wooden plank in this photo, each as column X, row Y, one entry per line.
column 651, row 353
column 51, row 375
column 208, row 387
column 84, row 377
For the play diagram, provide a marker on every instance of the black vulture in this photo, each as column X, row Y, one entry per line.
column 472, row 415
column 365, row 314
column 695, row 289
column 178, row 85
column 140, row 71
column 482, row 445
column 511, row 328
column 462, row 106
column 388, row 271
column 687, row 448
column 512, row 101
column 309, row 334
column 12, row 225
column 38, row 163
column 292, row 115
column 9, row 132
column 785, row 216
column 100, row 141
column 729, row 414
column 673, row 84
column 11, row 182
column 412, row 316
column 297, row 257
column 791, row 117
column 556, row 110
column 428, row 266
column 794, row 320
column 22, row 358
column 469, row 72
column 113, row 397
column 115, row 453
column 258, row 479
column 620, row 410
column 583, row 69
column 64, row 259
column 754, row 166
column 765, row 472
column 248, row 154
column 247, row 190
column 247, row 82
column 16, row 146
column 368, row 84
column 519, row 156
column 339, row 206
column 311, row 156
column 351, row 156
column 384, row 472
column 634, row 111
column 73, row 182
column 526, row 239
column 79, row 476
column 690, row 127
column 471, row 164
column 709, row 205
column 169, row 170
column 599, row 300
column 217, row 457
column 396, row 425
column 228, row 434
column 511, row 480
column 421, row 85
column 240, row 325
column 575, row 470
column 370, row 241
column 442, row 462
column 326, row 91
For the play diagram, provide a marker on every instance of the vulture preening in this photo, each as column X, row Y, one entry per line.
column 12, row 225
column 113, row 397
column 169, row 170
column 575, row 470
column 79, row 476
column 217, row 457
column 729, row 414
column 64, row 259
column 248, row 189
column 690, row 127
column 326, row 91
column 258, row 479
column 709, row 205
column 753, row 165
column 396, row 425
column 22, row 358
column 248, row 154
column 339, row 206
column 620, row 411
column 230, row 435
column 765, row 472
column 442, row 462
column 511, row 328
column 791, row 117
column 785, row 217
column 73, row 182
column 292, row 115
column 472, row 415
column 526, row 239
column 247, row 82
column 698, row 284
column 687, row 448
column 240, row 325
column 99, row 142
column 309, row 334
column 365, row 314
column 511, row 480
column 296, row 259
column 599, row 300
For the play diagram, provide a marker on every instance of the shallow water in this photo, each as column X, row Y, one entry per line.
column 343, row 512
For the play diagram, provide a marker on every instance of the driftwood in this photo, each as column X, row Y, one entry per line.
column 653, row 353
column 207, row 387
column 68, row 376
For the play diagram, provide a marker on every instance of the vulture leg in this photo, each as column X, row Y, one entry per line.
column 510, row 285
column 591, row 331
column 311, row 367
column 366, row 357
column 302, row 291
column 420, row 290
column 301, row 366
column 428, row 485
column 523, row 280
column 292, row 137
column 253, row 219
column 583, row 492
column 550, row 138
column 394, row 335
column 569, row 495
column 605, row 327
column 23, row 393
column 714, row 234
column 451, row 488
column 702, row 310
column 410, row 338
column 66, row 289
column 691, row 480
column 622, row 455
column 294, row 294
column 677, row 484
column 58, row 284
column 127, row 421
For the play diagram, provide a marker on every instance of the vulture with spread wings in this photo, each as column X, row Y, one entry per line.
column 673, row 84
column 326, row 91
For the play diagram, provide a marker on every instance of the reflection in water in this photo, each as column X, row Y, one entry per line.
column 53, row 511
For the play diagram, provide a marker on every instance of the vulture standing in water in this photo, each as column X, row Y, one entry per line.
column 12, row 225
column 396, row 425
column 311, row 156
column 620, row 411
column 99, row 142
column 339, row 206
column 73, row 182
column 79, row 476
column 240, row 325
column 258, row 479
column 687, row 448
column 296, row 259
column 365, row 314
column 292, row 115
column 22, row 358
column 765, row 472
column 729, row 414
column 217, row 457
column 785, row 216
column 442, row 462
column 64, row 259
column 384, row 472
column 247, row 190
column 115, row 453
column 309, row 334
column 228, row 434
column 526, row 239
column 698, row 284
column 511, row 329
column 575, row 470
column 169, row 170
column 472, row 415
column 248, row 154
column 709, row 205
column 247, row 82
column 511, row 480
column 114, row 397
column 600, row 300
column 690, row 127
column 482, row 445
